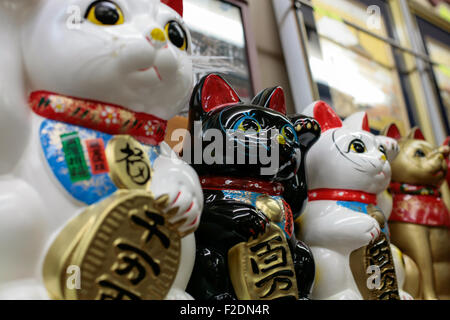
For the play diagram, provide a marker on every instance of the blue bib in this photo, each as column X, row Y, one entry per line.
column 71, row 162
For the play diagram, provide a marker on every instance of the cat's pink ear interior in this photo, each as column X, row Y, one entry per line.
column 176, row 5
column 417, row 134
column 216, row 92
column 325, row 115
column 393, row 132
column 277, row 101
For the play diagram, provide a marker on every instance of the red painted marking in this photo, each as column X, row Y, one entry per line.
column 178, row 196
column 157, row 73
column 195, row 221
column 190, row 207
column 97, row 156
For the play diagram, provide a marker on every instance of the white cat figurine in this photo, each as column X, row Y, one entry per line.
column 132, row 54
column 346, row 169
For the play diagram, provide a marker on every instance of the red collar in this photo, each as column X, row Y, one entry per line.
column 252, row 185
column 104, row 117
column 342, row 195
column 418, row 190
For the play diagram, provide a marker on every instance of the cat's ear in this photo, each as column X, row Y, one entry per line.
column 324, row 114
column 416, row 134
column 358, row 121
column 210, row 93
column 392, row 131
column 176, row 5
column 272, row 98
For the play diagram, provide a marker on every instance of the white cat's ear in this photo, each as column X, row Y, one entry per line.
column 358, row 121
column 176, row 5
column 324, row 114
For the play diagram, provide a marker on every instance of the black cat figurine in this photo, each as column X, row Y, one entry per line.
column 246, row 247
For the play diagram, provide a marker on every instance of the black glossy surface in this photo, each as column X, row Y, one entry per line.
column 226, row 222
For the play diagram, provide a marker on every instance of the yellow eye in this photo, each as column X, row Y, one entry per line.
column 176, row 35
column 248, row 124
column 105, row 13
column 358, row 146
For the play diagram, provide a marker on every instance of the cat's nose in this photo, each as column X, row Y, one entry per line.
column 157, row 38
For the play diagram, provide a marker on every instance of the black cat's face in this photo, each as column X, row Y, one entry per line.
column 253, row 140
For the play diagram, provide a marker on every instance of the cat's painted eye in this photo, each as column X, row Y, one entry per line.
column 104, row 13
column 248, row 124
column 420, row 153
column 177, row 35
column 288, row 133
column 382, row 149
column 357, row 146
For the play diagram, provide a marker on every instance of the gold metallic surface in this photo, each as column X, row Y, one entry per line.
column 129, row 165
column 126, row 250
column 408, row 168
column 427, row 246
column 412, row 277
column 378, row 253
column 124, row 247
column 270, row 207
column 262, row 268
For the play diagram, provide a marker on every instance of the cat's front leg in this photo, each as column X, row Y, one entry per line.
column 175, row 178
column 337, row 227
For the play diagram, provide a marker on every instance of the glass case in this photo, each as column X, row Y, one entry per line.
column 219, row 42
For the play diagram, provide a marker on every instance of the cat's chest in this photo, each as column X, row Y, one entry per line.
column 78, row 159
column 275, row 208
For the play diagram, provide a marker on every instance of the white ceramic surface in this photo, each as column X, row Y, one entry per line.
column 41, row 50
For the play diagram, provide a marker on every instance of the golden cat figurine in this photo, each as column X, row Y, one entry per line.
column 420, row 221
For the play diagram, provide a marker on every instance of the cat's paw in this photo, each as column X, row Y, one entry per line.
column 177, row 180
column 307, row 129
column 373, row 232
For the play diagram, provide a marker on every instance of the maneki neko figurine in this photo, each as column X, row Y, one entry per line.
column 447, row 159
column 246, row 247
column 84, row 101
column 420, row 221
column 346, row 231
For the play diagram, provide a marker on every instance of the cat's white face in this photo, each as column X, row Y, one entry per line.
column 130, row 61
column 350, row 158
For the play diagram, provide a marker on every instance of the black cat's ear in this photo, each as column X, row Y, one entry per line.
column 307, row 129
column 210, row 93
column 272, row 98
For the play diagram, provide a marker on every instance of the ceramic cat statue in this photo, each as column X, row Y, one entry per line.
column 402, row 263
column 420, row 221
column 246, row 248
column 86, row 90
column 447, row 143
column 345, row 170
